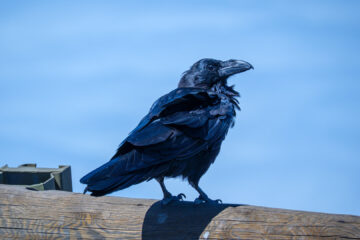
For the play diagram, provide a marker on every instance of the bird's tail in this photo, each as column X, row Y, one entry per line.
column 107, row 186
column 111, row 177
column 115, row 175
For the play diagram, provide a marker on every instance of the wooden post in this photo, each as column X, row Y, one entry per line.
column 26, row 214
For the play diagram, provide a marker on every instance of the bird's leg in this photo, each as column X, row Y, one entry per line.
column 167, row 195
column 203, row 198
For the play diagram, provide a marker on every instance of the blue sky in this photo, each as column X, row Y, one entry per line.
column 77, row 76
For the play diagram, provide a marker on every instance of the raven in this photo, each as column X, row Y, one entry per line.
column 180, row 136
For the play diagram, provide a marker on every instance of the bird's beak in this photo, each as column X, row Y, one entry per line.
column 232, row 67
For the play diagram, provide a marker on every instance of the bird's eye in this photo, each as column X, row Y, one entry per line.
column 211, row 67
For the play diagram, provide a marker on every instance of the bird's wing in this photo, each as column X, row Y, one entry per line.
column 179, row 126
column 177, row 100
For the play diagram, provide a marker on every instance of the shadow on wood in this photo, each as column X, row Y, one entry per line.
column 181, row 220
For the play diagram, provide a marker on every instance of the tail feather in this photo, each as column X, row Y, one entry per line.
column 110, row 185
column 98, row 174
column 111, row 176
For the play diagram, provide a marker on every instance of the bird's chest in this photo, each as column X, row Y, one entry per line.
column 223, row 109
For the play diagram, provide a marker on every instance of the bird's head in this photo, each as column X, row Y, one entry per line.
column 207, row 73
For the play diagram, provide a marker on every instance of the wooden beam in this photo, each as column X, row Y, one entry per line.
column 26, row 214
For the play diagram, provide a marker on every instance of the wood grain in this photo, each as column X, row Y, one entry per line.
column 26, row 214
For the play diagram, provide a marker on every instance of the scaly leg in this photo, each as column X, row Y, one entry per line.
column 203, row 198
column 167, row 195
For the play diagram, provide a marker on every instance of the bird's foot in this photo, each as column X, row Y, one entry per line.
column 170, row 199
column 207, row 200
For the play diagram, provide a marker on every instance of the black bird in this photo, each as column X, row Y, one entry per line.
column 180, row 136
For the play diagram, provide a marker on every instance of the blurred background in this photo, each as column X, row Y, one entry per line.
column 77, row 76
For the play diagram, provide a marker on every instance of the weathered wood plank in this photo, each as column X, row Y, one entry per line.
column 28, row 214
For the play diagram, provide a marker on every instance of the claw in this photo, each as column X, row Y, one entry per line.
column 198, row 201
column 170, row 199
column 201, row 200
column 181, row 196
column 214, row 202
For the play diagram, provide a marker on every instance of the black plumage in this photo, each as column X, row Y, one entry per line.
column 180, row 136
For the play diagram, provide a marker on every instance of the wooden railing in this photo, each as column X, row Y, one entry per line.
column 26, row 214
